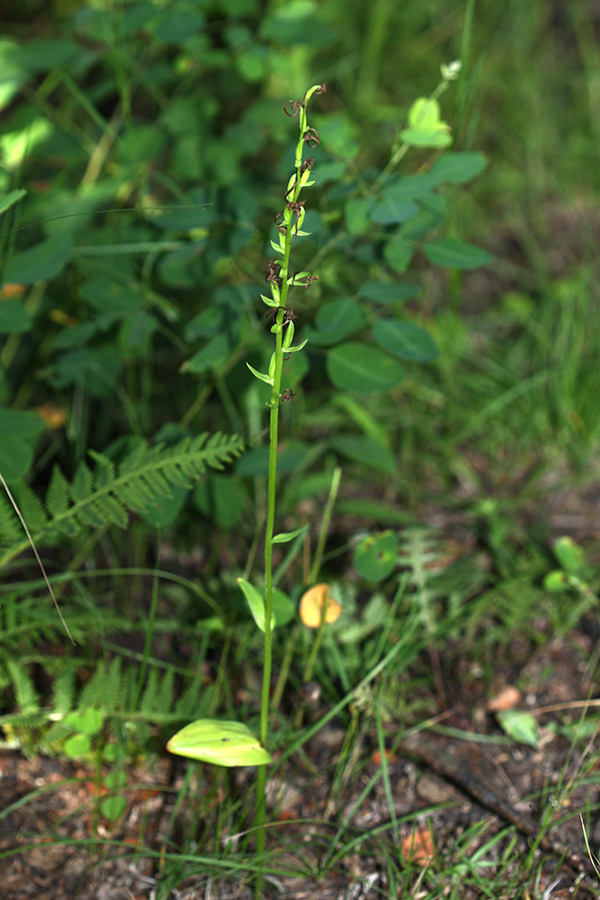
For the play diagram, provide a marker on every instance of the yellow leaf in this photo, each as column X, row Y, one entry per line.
column 316, row 602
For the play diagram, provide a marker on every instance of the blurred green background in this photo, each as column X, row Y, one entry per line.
column 144, row 152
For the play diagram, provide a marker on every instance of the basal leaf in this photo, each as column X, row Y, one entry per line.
column 520, row 726
column 222, row 743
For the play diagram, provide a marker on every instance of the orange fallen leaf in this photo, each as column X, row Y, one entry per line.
column 418, row 847
column 52, row 415
column 505, row 699
column 13, row 290
column 376, row 757
column 316, row 600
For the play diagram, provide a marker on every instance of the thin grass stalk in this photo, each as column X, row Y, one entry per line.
column 333, row 491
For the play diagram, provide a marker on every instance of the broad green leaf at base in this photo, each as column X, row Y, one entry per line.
column 520, row 726
column 221, row 743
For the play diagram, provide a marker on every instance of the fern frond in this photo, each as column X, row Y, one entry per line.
column 63, row 689
column 94, row 693
column 58, row 500
column 30, row 507
column 114, row 687
column 11, row 529
column 105, row 496
column 165, row 695
column 187, row 704
column 26, row 694
column 148, row 704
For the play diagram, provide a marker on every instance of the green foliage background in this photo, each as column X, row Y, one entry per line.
column 143, row 150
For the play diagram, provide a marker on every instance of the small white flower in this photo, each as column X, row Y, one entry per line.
column 450, row 71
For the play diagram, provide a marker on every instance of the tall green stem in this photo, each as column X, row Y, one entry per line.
column 290, row 213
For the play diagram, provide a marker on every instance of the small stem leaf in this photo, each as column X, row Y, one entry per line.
column 8, row 200
column 260, row 375
column 256, row 603
column 286, row 536
column 222, row 743
column 297, row 347
column 269, row 301
column 289, row 335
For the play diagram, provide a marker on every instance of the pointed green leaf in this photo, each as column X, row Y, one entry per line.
column 520, row 726
column 260, row 375
column 388, row 293
column 43, row 261
column 398, row 254
column 390, row 212
column 405, row 340
column 221, row 743
column 13, row 317
column 256, row 602
column 8, row 200
column 283, row 608
column 362, row 368
column 457, row 168
column 19, row 432
column 208, row 357
column 365, row 450
column 337, row 320
column 453, row 254
column 286, row 536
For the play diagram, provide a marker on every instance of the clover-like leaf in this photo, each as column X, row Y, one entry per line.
column 425, row 125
